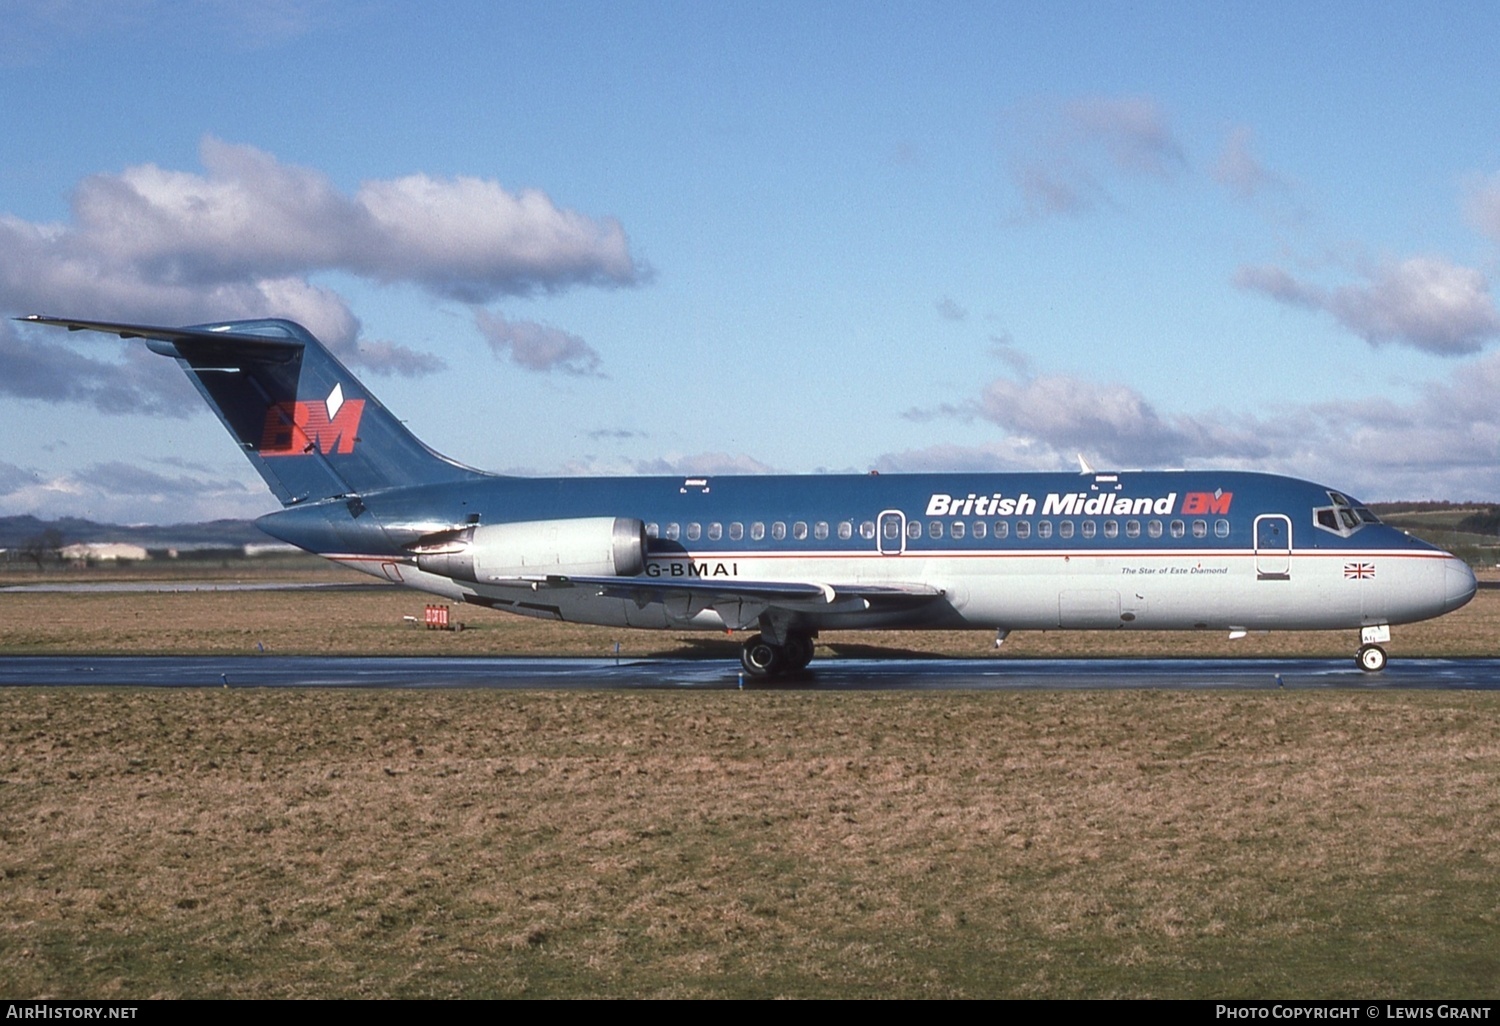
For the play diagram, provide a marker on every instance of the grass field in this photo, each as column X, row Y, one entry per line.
column 371, row 622
column 274, row 843
column 248, row 843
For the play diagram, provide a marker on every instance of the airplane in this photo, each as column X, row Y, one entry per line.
column 785, row 557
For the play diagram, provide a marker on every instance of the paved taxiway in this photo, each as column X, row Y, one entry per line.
column 708, row 675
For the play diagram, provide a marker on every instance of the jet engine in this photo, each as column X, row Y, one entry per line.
column 586, row 547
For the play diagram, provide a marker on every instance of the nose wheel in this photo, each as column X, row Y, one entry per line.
column 1371, row 658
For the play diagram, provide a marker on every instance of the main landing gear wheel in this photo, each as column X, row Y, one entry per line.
column 799, row 651
column 1371, row 658
column 760, row 658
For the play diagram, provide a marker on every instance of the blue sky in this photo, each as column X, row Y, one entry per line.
column 711, row 238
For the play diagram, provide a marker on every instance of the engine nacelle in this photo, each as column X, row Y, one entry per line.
column 586, row 547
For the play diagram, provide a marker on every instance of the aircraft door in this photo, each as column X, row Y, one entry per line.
column 890, row 532
column 1273, row 547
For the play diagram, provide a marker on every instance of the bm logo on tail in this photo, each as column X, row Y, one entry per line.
column 297, row 428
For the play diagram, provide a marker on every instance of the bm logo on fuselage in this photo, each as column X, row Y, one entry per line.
column 298, row 428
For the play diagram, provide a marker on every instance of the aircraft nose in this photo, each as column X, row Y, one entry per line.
column 1460, row 584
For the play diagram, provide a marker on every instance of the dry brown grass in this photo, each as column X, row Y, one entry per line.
column 370, row 622
column 277, row 843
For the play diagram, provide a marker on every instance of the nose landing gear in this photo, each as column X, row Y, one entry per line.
column 1371, row 658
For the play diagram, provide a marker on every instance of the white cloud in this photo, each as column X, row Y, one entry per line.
column 1240, row 171
column 1443, row 444
column 123, row 493
column 1068, row 152
column 241, row 238
column 1427, row 303
column 251, row 217
column 535, row 346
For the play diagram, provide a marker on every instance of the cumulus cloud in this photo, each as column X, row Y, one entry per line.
column 251, row 217
column 1071, row 149
column 241, row 238
column 1443, row 444
column 1427, row 303
column 537, row 347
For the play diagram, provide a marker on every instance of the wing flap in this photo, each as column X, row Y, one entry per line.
column 741, row 601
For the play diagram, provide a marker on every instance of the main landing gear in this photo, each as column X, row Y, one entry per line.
column 762, row 657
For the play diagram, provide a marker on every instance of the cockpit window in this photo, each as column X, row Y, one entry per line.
column 1343, row 517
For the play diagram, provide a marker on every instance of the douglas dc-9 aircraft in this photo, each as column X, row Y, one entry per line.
column 786, row 557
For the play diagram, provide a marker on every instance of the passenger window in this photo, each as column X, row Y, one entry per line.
column 1200, row 528
column 1153, row 528
column 1023, row 528
column 673, row 531
column 736, row 531
column 820, row 530
column 867, row 530
column 778, row 530
column 913, row 529
column 1132, row 528
column 693, row 531
column 979, row 527
column 651, row 531
column 1111, row 529
column 715, row 532
column 799, row 530
column 1065, row 529
column 1221, row 528
column 757, row 531
column 1090, row 528
column 1044, row 529
column 1179, row 529
column 1002, row 528
column 958, row 529
column 935, row 529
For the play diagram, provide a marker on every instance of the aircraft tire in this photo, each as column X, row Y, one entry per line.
column 760, row 658
column 1371, row 658
column 799, row 651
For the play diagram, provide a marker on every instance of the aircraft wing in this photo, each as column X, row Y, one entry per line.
column 740, row 603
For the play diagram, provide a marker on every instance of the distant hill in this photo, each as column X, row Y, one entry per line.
column 15, row 532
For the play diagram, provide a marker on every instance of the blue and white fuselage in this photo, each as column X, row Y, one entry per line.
column 790, row 556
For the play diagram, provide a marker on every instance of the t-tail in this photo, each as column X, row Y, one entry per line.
column 309, row 426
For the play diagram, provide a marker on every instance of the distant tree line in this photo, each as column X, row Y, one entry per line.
column 1484, row 522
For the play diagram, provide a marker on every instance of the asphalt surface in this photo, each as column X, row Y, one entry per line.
column 709, row 675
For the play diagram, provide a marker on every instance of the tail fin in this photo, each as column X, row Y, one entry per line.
column 307, row 424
